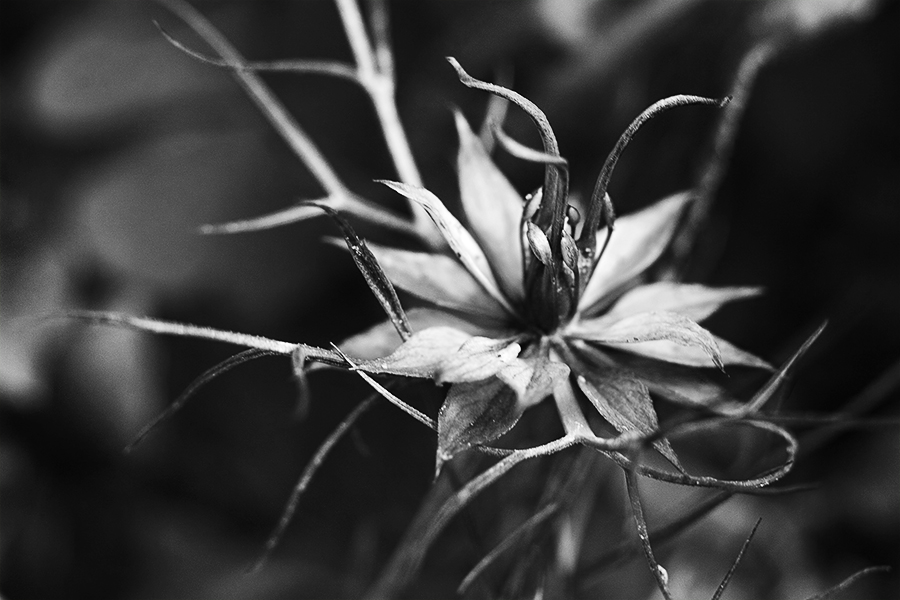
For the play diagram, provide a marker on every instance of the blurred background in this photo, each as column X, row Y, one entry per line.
column 115, row 147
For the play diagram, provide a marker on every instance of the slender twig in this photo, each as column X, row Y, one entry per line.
column 637, row 511
column 727, row 579
column 714, row 166
column 207, row 376
column 405, row 564
column 263, row 97
column 508, row 542
column 310, row 470
column 186, row 330
column 848, row 582
column 375, row 75
column 339, row 195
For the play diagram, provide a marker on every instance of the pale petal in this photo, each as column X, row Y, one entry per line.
column 474, row 413
column 438, row 279
column 493, row 208
column 372, row 272
column 458, row 238
column 694, row 301
column 693, row 356
column 679, row 383
column 382, row 339
column 421, row 355
column 652, row 327
column 637, row 241
column 477, row 359
column 445, row 354
column 626, row 404
column 533, row 379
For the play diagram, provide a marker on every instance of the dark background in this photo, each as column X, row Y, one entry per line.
column 115, row 147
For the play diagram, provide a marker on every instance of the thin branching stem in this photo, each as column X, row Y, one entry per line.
column 508, row 542
column 714, row 167
column 207, row 376
column 375, row 74
column 310, row 470
column 637, row 511
column 191, row 331
column 848, row 582
column 407, row 565
column 599, row 198
column 320, row 67
column 263, row 97
column 727, row 579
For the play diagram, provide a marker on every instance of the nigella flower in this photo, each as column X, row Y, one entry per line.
column 533, row 301
column 536, row 302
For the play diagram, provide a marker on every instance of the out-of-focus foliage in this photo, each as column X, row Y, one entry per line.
column 115, row 147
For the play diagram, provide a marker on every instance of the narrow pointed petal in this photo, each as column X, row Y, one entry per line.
column 419, row 356
column 478, row 358
column 438, row 279
column 556, row 186
column 626, row 404
column 682, row 384
column 775, row 382
column 445, row 355
column 372, row 272
column 639, row 240
column 533, row 379
column 382, row 339
column 460, row 241
column 650, row 327
column 494, row 210
column 693, row 356
column 694, row 301
column 474, row 413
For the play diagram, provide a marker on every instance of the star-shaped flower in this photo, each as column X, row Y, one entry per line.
column 525, row 310
column 533, row 300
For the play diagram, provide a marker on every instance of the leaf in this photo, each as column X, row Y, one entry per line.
column 493, row 207
column 694, row 301
column 460, row 241
column 478, row 358
column 474, row 413
column 533, row 379
column 650, row 327
column 639, row 240
column 438, row 279
column 626, row 404
column 372, row 272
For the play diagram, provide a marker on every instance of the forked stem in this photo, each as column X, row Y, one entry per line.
column 376, row 76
